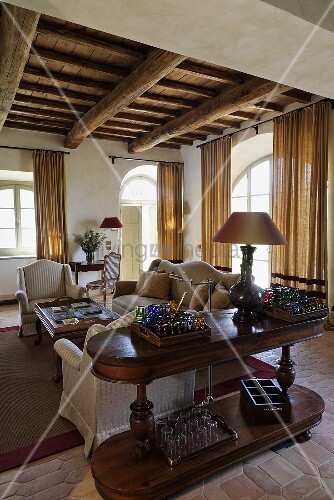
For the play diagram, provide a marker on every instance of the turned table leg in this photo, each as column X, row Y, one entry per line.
column 142, row 421
column 285, row 371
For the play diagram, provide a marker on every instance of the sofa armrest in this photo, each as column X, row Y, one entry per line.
column 22, row 299
column 69, row 352
column 124, row 288
column 75, row 291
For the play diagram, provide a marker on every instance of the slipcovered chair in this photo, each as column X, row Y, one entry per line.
column 101, row 409
column 42, row 281
column 110, row 274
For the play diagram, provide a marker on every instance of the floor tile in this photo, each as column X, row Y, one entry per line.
column 242, row 487
column 313, row 452
column 300, row 487
column 280, row 470
column 300, row 462
column 262, row 480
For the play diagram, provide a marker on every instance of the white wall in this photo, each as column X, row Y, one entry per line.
column 92, row 185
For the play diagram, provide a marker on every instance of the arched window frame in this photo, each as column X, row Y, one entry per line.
column 133, row 179
column 247, row 172
column 19, row 250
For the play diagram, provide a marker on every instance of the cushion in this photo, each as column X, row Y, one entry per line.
column 220, row 298
column 156, row 285
column 229, row 279
column 140, row 282
column 200, row 297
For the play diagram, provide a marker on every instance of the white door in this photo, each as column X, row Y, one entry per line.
column 132, row 248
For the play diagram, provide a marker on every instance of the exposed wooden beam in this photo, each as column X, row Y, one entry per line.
column 36, row 121
column 115, row 133
column 37, row 128
column 186, row 87
column 212, row 130
column 228, row 123
column 158, row 64
column 269, row 106
column 59, row 92
column 246, row 94
column 78, row 62
column 17, row 30
column 88, row 40
column 173, row 101
column 155, row 110
column 54, row 77
column 299, row 95
column 245, row 115
column 217, row 75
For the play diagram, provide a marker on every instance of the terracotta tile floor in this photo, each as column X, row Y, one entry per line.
column 300, row 471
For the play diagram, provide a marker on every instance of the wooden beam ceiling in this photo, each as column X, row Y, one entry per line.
column 244, row 95
column 158, row 64
column 17, row 30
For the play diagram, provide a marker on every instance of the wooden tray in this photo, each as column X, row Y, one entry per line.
column 275, row 312
column 152, row 337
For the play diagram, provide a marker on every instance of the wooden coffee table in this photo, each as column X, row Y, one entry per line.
column 59, row 326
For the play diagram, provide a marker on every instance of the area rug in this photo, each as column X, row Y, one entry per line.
column 29, row 402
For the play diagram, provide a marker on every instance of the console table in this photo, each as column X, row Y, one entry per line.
column 84, row 267
column 125, row 466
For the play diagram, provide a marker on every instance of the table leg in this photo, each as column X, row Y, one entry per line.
column 39, row 332
column 58, row 367
column 142, row 421
column 285, row 372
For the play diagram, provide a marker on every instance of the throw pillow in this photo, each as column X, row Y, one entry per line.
column 140, row 282
column 156, row 285
column 199, row 298
column 220, row 298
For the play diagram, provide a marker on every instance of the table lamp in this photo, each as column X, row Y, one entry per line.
column 114, row 224
column 248, row 228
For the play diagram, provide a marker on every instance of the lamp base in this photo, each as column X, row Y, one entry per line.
column 241, row 316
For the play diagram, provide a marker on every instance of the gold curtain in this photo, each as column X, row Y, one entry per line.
column 50, row 199
column 170, row 211
column 300, row 199
column 216, row 200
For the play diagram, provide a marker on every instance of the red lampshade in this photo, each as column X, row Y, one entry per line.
column 111, row 223
column 249, row 228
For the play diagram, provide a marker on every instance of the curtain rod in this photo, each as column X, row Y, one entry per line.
column 113, row 158
column 34, row 149
column 256, row 126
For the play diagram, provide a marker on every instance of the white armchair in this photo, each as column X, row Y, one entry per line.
column 101, row 409
column 41, row 281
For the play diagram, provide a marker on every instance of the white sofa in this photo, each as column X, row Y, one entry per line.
column 42, row 281
column 126, row 296
column 101, row 409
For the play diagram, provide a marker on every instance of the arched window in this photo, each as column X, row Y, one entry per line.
column 138, row 203
column 252, row 193
column 17, row 219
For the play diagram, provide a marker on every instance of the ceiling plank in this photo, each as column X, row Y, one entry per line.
column 59, row 92
column 88, row 40
column 55, row 77
column 218, row 75
column 158, row 64
column 244, row 95
column 269, row 106
column 299, row 95
column 17, row 30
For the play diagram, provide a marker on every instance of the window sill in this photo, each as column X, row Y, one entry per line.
column 8, row 257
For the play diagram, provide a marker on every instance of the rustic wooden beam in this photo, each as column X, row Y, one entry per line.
column 155, row 110
column 269, row 106
column 78, row 62
column 37, row 128
column 246, row 115
column 115, row 133
column 299, row 95
column 54, row 77
column 158, row 64
column 186, row 87
column 246, row 94
column 49, row 103
column 173, row 101
column 228, row 123
column 41, row 113
column 37, row 121
column 88, row 40
column 17, row 30
column 209, row 73
column 212, row 130
column 59, row 92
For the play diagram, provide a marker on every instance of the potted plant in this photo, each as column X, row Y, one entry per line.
column 89, row 242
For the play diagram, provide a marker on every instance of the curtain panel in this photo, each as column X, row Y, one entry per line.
column 300, row 199
column 50, row 202
column 216, row 200
column 170, row 211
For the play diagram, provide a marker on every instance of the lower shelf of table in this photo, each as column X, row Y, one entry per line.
column 118, row 475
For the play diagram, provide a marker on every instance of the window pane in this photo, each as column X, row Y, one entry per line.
column 139, row 190
column 7, row 238
column 28, row 218
column 260, row 178
column 260, row 272
column 261, row 252
column 241, row 187
column 26, row 198
column 7, row 218
column 28, row 238
column 236, row 263
column 6, row 198
column 239, row 204
column 260, row 203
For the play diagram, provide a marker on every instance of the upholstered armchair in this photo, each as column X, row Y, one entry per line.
column 41, row 281
column 101, row 409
